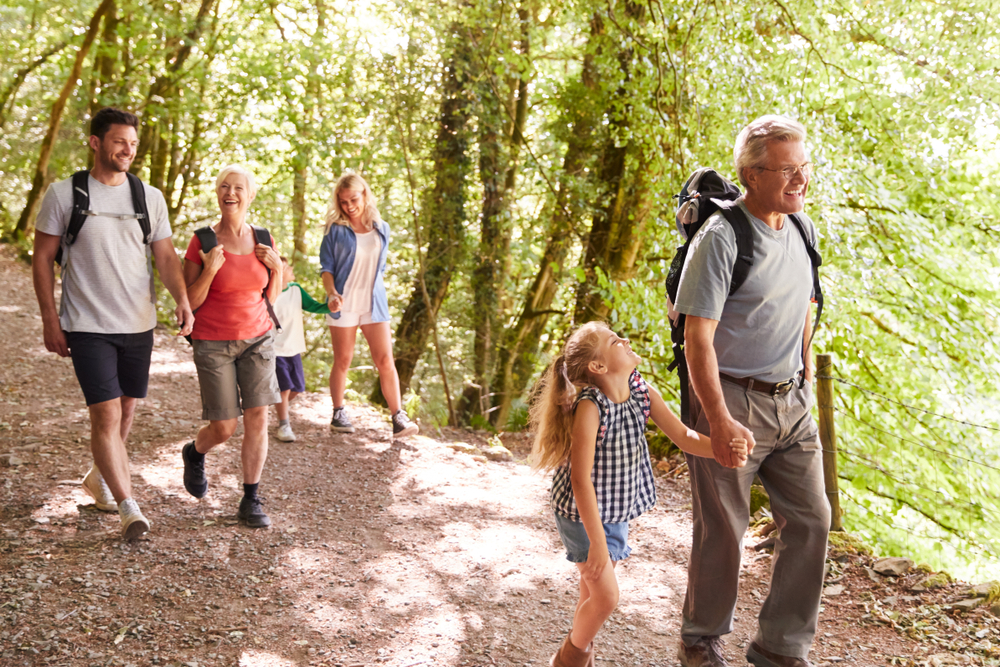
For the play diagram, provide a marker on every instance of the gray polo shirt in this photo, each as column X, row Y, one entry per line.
column 760, row 326
column 107, row 277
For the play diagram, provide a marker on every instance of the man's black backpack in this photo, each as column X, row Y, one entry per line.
column 705, row 193
column 208, row 239
column 81, row 209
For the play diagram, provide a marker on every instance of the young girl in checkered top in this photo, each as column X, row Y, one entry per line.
column 590, row 424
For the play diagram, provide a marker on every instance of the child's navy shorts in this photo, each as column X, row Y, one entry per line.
column 290, row 373
column 574, row 537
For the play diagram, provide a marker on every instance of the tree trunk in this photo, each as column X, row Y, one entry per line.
column 302, row 162
column 187, row 171
column 517, row 356
column 487, row 277
column 164, row 87
column 499, row 177
column 624, row 186
column 160, row 150
column 20, row 75
column 104, row 63
column 26, row 222
column 444, row 214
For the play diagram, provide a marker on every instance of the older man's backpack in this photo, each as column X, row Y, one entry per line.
column 705, row 193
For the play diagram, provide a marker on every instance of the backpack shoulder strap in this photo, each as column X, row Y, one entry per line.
column 207, row 237
column 78, row 215
column 139, row 204
column 816, row 260
column 744, row 242
column 261, row 235
column 814, row 256
column 81, row 202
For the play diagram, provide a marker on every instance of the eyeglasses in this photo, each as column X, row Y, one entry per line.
column 789, row 172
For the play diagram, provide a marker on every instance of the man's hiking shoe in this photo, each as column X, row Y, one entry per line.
column 95, row 485
column 134, row 524
column 402, row 426
column 251, row 513
column 706, row 652
column 341, row 423
column 194, row 471
column 285, row 433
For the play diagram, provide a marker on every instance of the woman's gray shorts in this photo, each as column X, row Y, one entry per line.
column 235, row 375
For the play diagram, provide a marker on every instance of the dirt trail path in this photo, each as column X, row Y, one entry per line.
column 401, row 554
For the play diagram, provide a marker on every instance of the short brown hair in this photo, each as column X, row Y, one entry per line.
column 108, row 116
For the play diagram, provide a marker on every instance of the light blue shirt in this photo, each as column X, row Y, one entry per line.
column 759, row 334
column 336, row 257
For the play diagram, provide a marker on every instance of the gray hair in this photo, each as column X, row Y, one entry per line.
column 242, row 171
column 751, row 144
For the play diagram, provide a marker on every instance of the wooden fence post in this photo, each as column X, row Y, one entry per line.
column 828, row 435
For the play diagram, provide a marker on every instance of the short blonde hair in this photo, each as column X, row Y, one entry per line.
column 242, row 171
column 336, row 216
column 751, row 144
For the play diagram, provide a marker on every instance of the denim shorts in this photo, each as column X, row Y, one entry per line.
column 574, row 537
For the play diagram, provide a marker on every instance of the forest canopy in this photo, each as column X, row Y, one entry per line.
column 526, row 155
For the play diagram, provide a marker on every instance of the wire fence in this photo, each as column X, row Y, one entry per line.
column 958, row 506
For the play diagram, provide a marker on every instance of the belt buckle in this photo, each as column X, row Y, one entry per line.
column 782, row 387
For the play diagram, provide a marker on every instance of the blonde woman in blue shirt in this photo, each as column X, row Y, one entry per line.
column 352, row 261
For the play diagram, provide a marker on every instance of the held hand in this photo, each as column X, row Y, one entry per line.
column 722, row 435
column 739, row 447
column 334, row 302
column 55, row 338
column 185, row 320
column 213, row 260
column 268, row 257
column 597, row 559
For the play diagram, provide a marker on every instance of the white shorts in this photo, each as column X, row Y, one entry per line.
column 349, row 320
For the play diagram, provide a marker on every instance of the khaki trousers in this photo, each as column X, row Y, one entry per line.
column 788, row 458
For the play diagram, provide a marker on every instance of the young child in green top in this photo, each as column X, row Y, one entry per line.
column 290, row 344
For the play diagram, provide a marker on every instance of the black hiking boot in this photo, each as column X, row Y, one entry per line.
column 194, row 471
column 251, row 513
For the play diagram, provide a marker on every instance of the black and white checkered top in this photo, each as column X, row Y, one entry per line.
column 622, row 474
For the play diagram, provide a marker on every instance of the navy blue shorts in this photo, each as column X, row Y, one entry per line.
column 574, row 537
column 109, row 366
column 290, row 373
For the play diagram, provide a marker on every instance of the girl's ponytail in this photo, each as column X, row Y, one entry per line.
column 552, row 412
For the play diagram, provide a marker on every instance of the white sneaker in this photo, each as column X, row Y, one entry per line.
column 285, row 433
column 134, row 524
column 95, row 485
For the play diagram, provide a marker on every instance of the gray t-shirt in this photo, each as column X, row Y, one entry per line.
column 760, row 326
column 107, row 277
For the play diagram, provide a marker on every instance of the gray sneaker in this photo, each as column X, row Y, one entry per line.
column 341, row 423
column 402, row 426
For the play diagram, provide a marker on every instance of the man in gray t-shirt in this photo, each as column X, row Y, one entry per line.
column 108, row 307
column 751, row 373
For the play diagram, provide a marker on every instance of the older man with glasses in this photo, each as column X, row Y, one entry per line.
column 751, row 371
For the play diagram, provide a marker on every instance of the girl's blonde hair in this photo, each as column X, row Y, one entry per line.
column 335, row 216
column 552, row 412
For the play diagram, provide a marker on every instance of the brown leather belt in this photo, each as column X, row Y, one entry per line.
column 771, row 388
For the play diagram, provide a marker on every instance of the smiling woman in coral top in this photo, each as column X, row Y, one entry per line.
column 232, row 339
